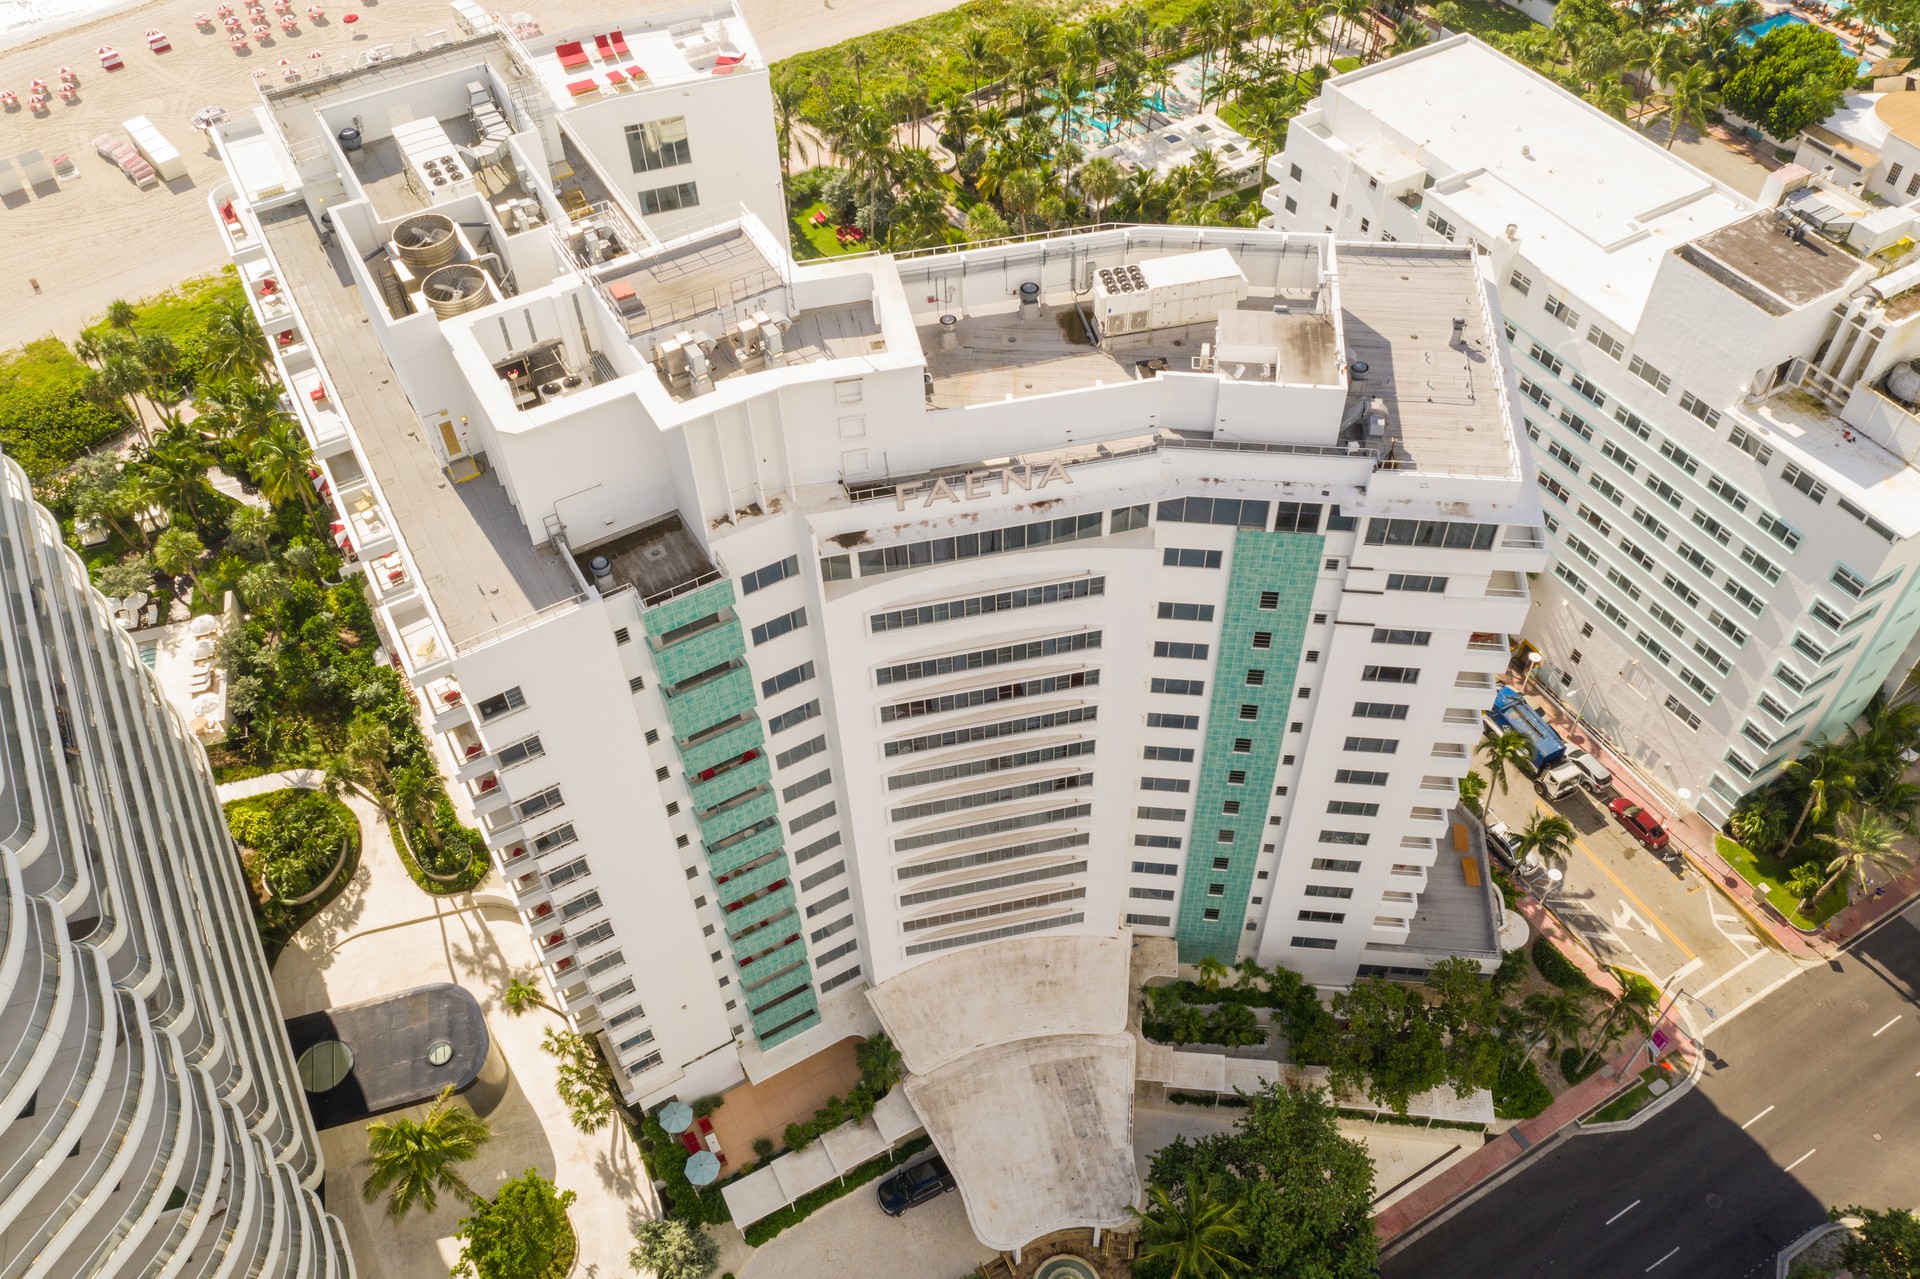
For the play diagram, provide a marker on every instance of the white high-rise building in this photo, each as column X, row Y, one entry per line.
column 154, row 1126
column 789, row 624
column 1721, row 391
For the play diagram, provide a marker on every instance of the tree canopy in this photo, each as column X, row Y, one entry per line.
column 1886, row 1246
column 1792, row 77
column 1304, row 1192
column 518, row 1234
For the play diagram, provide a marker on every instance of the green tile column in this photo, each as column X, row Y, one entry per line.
column 722, row 698
column 1288, row 565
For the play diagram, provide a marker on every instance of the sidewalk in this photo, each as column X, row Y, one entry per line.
column 1488, row 1162
column 1546, row 925
column 1692, row 833
column 1890, row 899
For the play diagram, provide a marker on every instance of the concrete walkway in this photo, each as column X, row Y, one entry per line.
column 851, row 1238
column 383, row 935
column 267, row 783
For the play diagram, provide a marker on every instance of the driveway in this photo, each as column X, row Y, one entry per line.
column 851, row 1238
column 383, row 935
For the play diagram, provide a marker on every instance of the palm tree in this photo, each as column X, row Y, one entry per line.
column 176, row 466
column 881, row 1063
column 1020, row 190
column 239, row 410
column 788, row 95
column 1548, row 835
column 1191, row 1234
column 1690, row 100
column 233, row 341
column 1556, row 1018
column 122, row 378
column 1411, row 34
column 120, row 314
column 1504, row 750
column 1630, row 1012
column 1210, row 972
column 414, row 1160
column 523, row 997
column 279, row 461
column 1251, row 973
column 1827, row 771
column 1099, row 181
column 1760, row 821
column 1866, row 842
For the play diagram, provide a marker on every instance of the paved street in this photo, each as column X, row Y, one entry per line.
column 1812, row 1099
column 1636, row 911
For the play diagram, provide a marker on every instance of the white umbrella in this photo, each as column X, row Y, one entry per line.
column 134, row 602
column 199, row 649
column 205, row 624
column 205, row 704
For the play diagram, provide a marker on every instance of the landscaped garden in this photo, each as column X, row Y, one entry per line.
column 1834, row 820
column 293, row 844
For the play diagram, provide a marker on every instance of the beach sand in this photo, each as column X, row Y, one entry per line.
column 99, row 237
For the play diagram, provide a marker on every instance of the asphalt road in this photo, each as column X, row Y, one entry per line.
column 1812, row 1099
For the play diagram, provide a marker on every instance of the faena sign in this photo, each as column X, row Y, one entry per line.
column 974, row 484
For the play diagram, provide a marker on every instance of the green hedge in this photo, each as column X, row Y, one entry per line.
column 458, row 845
column 296, row 836
column 814, row 1200
column 1572, row 1068
column 1519, row 1092
column 1557, row 968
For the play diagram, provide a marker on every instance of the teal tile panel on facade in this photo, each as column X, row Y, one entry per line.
column 788, row 1032
column 721, row 747
column 1287, row 565
column 768, row 991
column 793, row 952
column 691, row 607
column 768, row 907
column 720, row 698
column 735, row 781
column 704, row 651
column 742, row 815
column 753, row 881
column 726, row 860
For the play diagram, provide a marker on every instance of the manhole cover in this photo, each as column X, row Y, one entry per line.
column 1859, row 1005
column 1714, row 1201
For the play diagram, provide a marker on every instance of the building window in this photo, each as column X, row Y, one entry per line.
column 786, row 679
column 1315, row 943
column 1520, row 282
column 658, row 144
column 501, row 703
column 775, row 572
column 775, row 627
column 1177, row 557
column 1651, row 376
column 1293, row 206
column 680, row 195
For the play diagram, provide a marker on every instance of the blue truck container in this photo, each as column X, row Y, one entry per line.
column 1510, row 710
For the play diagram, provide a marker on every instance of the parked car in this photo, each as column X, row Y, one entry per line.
column 915, row 1185
column 1500, row 841
column 1561, row 781
column 1599, row 776
column 1641, row 824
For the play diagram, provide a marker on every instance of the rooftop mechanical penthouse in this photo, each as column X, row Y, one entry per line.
column 790, row 625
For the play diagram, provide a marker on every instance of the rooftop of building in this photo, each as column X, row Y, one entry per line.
column 659, row 559
column 1593, row 202
column 995, row 357
column 474, row 555
column 1459, row 911
column 1899, row 114
column 621, row 56
column 1864, row 470
column 1441, row 385
column 399, row 1050
column 1773, row 261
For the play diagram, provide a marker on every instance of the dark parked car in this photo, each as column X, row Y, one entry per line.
column 915, row 1185
column 1641, row 824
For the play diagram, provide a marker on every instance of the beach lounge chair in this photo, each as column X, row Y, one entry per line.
column 636, row 76
column 603, row 48
column 619, row 42
column 571, row 55
column 581, row 87
column 616, row 79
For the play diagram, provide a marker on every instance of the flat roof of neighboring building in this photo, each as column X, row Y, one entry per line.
column 1454, row 917
column 1590, row 200
column 1443, row 391
column 655, row 559
column 1759, row 259
column 475, row 557
column 400, row 1050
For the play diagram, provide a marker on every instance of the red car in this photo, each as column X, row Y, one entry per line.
column 1643, row 825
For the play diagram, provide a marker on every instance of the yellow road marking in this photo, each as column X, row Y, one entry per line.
column 1658, row 922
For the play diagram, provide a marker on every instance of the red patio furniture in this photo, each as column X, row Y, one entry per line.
column 579, row 87
column 602, row 48
column 570, row 54
column 636, row 75
column 615, row 78
column 619, row 43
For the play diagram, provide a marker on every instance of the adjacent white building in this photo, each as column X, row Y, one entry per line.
column 788, row 625
column 1721, row 391
column 154, row 1125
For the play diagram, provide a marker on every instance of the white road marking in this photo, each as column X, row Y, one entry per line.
column 1756, row 1119
column 1897, row 1017
column 1802, row 1159
column 1687, row 969
column 1625, row 916
column 1751, row 1000
column 1623, row 1212
column 1650, row 1269
column 1729, row 973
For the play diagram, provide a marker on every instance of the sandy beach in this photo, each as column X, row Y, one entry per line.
column 98, row 237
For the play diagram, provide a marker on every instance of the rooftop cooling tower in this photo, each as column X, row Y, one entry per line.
column 455, row 290
column 425, row 241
